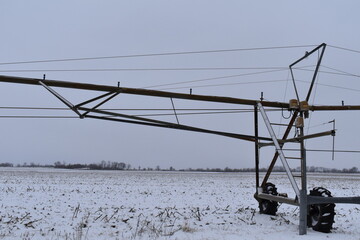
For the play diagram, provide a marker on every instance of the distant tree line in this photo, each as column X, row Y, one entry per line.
column 275, row 169
column 103, row 165
column 107, row 165
column 6, row 165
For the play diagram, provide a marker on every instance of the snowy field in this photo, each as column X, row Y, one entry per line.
column 77, row 205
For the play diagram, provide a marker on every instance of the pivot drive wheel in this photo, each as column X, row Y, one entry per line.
column 321, row 216
column 267, row 206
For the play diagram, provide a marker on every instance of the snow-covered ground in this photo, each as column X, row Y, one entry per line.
column 64, row 204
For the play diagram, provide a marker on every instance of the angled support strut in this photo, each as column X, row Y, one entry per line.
column 279, row 150
column 61, row 98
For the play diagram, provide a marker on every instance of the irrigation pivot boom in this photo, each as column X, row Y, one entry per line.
column 316, row 209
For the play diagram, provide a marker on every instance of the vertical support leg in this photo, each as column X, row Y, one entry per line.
column 303, row 191
column 303, row 212
column 256, row 147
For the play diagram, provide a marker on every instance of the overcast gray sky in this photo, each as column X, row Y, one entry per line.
column 40, row 30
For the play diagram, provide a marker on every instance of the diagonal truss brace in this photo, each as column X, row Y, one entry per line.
column 101, row 103
column 112, row 116
column 279, row 150
column 61, row 98
column 156, row 123
column 276, row 155
column 94, row 99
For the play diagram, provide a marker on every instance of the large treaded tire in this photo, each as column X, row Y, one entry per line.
column 267, row 206
column 321, row 216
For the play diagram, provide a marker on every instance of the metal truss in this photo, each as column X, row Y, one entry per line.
column 82, row 110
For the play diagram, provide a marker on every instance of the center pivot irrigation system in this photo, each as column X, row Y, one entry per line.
column 316, row 208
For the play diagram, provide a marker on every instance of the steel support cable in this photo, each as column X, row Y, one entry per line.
column 222, row 84
column 215, row 78
column 142, row 69
column 146, row 69
column 345, row 49
column 341, row 73
column 156, row 54
column 333, row 86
